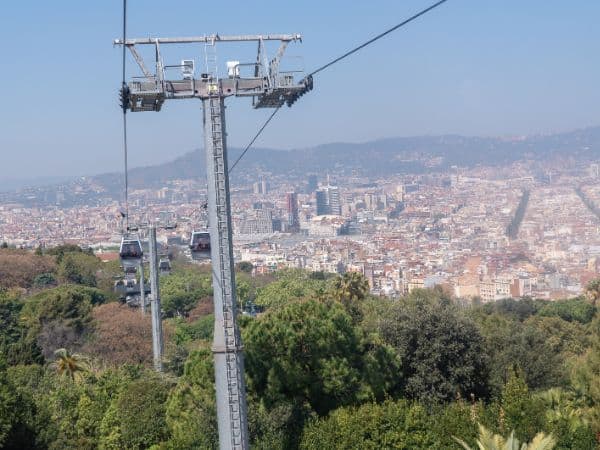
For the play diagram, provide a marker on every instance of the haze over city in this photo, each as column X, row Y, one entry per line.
column 532, row 68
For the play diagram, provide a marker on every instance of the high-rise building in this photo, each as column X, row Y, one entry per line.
column 292, row 211
column 259, row 221
column 261, row 187
column 312, row 184
column 335, row 205
column 322, row 203
column 328, row 201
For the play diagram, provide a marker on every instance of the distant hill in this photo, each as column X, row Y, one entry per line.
column 381, row 157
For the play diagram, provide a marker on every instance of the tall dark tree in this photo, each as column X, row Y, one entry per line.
column 442, row 352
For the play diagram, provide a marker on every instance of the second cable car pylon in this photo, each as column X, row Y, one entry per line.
column 269, row 88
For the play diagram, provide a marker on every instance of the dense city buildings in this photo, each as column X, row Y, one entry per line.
column 460, row 229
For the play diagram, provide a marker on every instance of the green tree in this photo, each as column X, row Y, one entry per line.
column 350, row 290
column 309, row 352
column 563, row 338
column 290, row 285
column 60, row 317
column 15, row 344
column 521, row 412
column 442, row 352
column 585, row 380
column 31, row 419
column 244, row 266
column 510, row 343
column 136, row 417
column 571, row 310
column 191, row 408
column 78, row 268
column 398, row 425
column 44, row 280
column 8, row 402
column 182, row 289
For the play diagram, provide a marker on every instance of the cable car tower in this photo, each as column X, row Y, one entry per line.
column 268, row 88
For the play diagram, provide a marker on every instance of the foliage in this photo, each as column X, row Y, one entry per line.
column 571, row 310
column 564, row 338
column 182, row 289
column 201, row 329
column 350, row 290
column 442, row 352
column 585, row 381
column 70, row 364
column 510, row 343
column 566, row 421
column 309, row 352
column 15, row 345
column 136, row 417
column 78, row 268
column 327, row 365
column 45, row 280
column 60, row 317
column 8, row 402
column 122, row 335
column 19, row 268
column 399, row 425
column 521, row 412
column 517, row 309
column 290, row 285
column 592, row 292
column 191, row 409
column 244, row 266
column 489, row 441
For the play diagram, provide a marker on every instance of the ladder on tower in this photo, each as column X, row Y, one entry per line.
column 231, row 332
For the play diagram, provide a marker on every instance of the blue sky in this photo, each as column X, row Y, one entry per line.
column 474, row 67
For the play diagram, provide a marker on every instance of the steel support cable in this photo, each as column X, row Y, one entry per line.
column 124, row 105
column 254, row 138
column 379, row 36
column 338, row 59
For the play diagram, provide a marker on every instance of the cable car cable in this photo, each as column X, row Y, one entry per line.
column 336, row 60
column 254, row 138
column 379, row 36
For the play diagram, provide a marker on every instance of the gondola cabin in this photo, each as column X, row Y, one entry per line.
column 130, row 252
column 200, row 245
column 164, row 266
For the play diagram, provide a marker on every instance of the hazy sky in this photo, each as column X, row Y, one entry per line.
column 475, row 67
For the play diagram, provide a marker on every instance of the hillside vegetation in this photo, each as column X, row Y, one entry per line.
column 327, row 365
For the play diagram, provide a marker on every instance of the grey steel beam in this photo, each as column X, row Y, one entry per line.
column 140, row 61
column 142, row 289
column 210, row 39
column 155, row 309
column 227, row 343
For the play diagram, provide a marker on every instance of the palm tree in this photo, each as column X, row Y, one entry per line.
column 489, row 441
column 70, row 364
column 592, row 291
column 351, row 289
